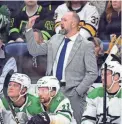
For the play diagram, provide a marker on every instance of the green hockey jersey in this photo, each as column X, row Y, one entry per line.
column 30, row 107
column 59, row 110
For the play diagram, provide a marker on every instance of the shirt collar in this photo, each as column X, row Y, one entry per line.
column 73, row 38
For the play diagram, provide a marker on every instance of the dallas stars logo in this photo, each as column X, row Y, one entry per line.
column 109, row 118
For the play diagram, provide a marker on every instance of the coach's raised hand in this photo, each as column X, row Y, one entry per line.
column 31, row 21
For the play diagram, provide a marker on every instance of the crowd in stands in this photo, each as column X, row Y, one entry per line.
column 110, row 22
column 67, row 42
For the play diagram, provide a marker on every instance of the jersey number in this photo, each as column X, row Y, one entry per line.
column 94, row 20
column 66, row 106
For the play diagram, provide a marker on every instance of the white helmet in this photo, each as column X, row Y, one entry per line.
column 22, row 79
column 115, row 67
column 50, row 82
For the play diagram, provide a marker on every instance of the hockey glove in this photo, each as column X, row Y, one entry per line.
column 41, row 118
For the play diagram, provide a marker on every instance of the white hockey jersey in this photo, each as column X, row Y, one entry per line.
column 6, row 117
column 89, row 19
column 94, row 109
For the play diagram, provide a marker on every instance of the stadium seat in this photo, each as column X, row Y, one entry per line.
column 16, row 48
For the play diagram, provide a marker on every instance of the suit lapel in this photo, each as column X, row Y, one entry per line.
column 74, row 49
column 57, row 45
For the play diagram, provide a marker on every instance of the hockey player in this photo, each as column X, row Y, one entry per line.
column 89, row 16
column 56, row 106
column 20, row 99
column 94, row 110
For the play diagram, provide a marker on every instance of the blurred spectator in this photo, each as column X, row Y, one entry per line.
column 4, row 22
column 110, row 22
column 45, row 22
column 14, row 6
column 89, row 17
column 111, row 44
column 2, row 56
column 114, row 40
column 18, row 24
column 99, row 55
column 47, row 3
column 47, row 25
column 100, row 5
column 114, row 47
column 98, row 45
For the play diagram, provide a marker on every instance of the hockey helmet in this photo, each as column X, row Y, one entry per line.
column 50, row 82
column 115, row 67
column 22, row 79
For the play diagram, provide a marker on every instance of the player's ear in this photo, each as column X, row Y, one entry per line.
column 116, row 77
column 52, row 93
column 23, row 90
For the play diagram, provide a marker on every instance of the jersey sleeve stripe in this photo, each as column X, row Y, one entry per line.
column 14, row 30
column 90, row 29
column 66, row 115
column 81, row 23
column 46, row 34
column 65, row 111
column 39, row 9
column 88, row 118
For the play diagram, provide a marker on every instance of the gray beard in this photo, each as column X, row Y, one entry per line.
column 63, row 32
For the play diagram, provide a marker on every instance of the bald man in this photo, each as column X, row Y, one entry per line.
column 70, row 58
